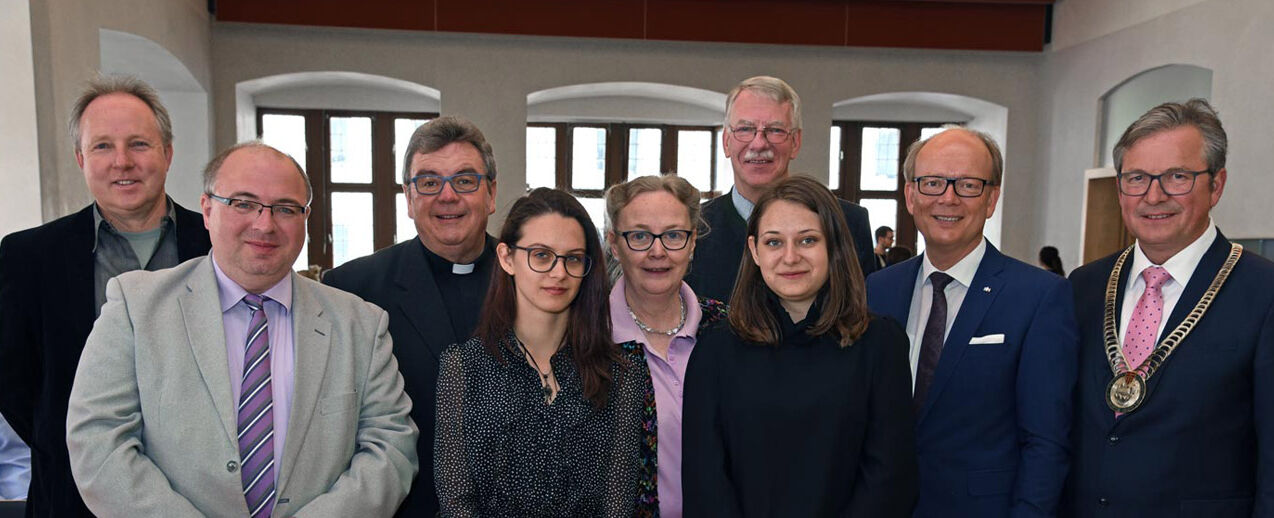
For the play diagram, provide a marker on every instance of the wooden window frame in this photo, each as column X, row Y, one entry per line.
column 850, row 173
column 616, row 170
column 384, row 187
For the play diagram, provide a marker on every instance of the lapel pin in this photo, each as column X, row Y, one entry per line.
column 986, row 289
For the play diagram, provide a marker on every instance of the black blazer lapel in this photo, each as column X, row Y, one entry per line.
column 421, row 301
column 192, row 236
column 76, row 262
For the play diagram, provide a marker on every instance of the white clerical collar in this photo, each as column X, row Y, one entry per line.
column 462, row 269
column 1181, row 265
column 963, row 270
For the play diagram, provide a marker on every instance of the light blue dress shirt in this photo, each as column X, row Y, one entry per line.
column 15, row 464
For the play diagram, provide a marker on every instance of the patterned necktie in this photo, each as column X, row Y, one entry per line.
column 1143, row 327
column 256, row 415
column 931, row 340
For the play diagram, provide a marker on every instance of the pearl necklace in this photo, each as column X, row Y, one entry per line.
column 642, row 325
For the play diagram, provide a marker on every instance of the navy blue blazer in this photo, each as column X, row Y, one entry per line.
column 992, row 437
column 1202, row 443
column 717, row 254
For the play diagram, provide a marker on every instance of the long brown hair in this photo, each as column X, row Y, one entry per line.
column 843, row 298
column 588, row 330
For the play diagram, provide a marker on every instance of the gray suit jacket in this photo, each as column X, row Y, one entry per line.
column 151, row 426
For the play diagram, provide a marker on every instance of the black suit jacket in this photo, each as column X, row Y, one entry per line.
column 1202, row 443
column 46, row 313
column 717, row 253
column 398, row 279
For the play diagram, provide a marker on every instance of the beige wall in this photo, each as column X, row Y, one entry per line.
column 19, row 158
column 64, row 35
column 487, row 78
column 1230, row 37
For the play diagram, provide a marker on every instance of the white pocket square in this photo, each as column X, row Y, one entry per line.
column 988, row 339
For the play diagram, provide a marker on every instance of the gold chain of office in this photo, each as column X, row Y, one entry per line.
column 1128, row 390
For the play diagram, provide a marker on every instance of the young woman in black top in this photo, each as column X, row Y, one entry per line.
column 541, row 414
column 801, row 406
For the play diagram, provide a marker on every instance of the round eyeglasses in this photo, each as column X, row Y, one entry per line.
column 543, row 260
column 431, row 184
column 965, row 186
column 1173, row 183
column 747, row 134
column 642, row 240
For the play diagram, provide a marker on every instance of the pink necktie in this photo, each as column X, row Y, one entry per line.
column 1143, row 327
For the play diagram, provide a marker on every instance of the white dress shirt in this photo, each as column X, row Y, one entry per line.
column 962, row 273
column 1180, row 266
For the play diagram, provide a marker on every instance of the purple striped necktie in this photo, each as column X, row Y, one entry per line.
column 256, row 415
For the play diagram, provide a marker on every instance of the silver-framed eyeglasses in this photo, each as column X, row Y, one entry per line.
column 543, row 260
column 747, row 133
column 1173, row 183
column 431, row 184
column 965, row 186
column 642, row 240
column 244, row 207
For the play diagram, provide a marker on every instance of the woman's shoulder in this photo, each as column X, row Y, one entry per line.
column 470, row 353
column 883, row 332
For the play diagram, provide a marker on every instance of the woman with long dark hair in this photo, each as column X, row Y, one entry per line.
column 801, row 406
column 541, row 414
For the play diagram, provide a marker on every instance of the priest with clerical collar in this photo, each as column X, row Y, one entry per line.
column 1175, row 407
column 432, row 287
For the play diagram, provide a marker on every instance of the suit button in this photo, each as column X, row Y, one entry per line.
column 1102, row 502
column 1113, row 439
column 232, row 466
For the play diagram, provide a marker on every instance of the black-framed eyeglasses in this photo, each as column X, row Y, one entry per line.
column 642, row 240
column 431, row 184
column 965, row 186
column 1173, row 183
column 746, row 133
column 248, row 207
column 543, row 260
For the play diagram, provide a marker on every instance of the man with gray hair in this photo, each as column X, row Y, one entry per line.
column 433, row 286
column 762, row 135
column 53, row 277
column 231, row 386
column 1175, row 408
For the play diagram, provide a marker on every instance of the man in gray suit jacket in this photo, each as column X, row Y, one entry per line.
column 230, row 386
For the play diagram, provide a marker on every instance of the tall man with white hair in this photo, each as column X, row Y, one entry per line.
column 53, row 277
column 762, row 135
column 1175, row 409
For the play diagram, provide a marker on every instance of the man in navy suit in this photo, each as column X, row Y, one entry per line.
column 1194, row 433
column 993, row 343
column 762, row 135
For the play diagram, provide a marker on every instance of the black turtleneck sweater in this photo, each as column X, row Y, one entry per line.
column 804, row 428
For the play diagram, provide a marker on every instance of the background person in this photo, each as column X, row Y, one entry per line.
column 884, row 240
column 653, row 224
column 541, row 414
column 1051, row 260
column 799, row 407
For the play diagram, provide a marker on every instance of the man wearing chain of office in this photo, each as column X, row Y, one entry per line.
column 1176, row 385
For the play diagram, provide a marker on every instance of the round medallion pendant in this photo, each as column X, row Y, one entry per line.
column 1126, row 392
